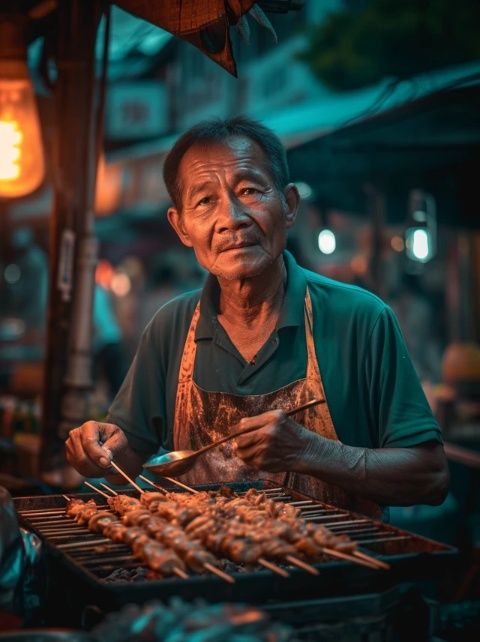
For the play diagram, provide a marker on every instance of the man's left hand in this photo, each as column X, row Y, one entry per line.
column 276, row 444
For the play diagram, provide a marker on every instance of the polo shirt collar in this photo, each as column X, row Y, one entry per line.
column 292, row 313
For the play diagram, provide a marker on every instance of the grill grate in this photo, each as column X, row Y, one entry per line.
column 94, row 557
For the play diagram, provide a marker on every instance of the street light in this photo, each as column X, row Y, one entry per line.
column 22, row 166
column 420, row 235
column 326, row 241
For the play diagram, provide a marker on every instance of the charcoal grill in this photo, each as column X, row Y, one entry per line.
column 84, row 561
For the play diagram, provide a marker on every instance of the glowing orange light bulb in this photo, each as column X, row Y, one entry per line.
column 22, row 166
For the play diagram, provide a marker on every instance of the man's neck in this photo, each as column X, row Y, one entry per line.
column 250, row 301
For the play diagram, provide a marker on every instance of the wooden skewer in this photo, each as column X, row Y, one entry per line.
column 216, row 571
column 114, row 492
column 67, row 498
column 56, row 513
column 350, row 558
column 206, row 565
column 153, row 484
column 110, row 490
column 181, row 484
column 92, row 542
column 368, row 561
column 301, row 564
column 180, row 573
column 97, row 490
column 372, row 560
column 356, row 557
column 125, row 476
column 273, row 567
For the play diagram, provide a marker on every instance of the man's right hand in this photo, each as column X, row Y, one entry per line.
column 91, row 447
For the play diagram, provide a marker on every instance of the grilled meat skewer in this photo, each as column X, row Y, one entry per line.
column 150, row 551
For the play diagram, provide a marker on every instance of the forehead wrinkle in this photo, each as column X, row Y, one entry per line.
column 199, row 187
column 243, row 157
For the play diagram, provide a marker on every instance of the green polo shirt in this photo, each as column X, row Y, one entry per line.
column 373, row 392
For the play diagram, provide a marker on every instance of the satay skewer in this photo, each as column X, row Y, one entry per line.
column 210, row 567
column 176, row 570
column 207, row 565
column 292, row 559
column 295, row 561
column 355, row 556
column 370, row 562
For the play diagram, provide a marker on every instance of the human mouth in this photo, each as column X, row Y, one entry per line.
column 237, row 246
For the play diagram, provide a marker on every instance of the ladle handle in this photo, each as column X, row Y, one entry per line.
column 244, row 431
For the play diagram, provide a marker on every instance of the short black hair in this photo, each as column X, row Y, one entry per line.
column 219, row 131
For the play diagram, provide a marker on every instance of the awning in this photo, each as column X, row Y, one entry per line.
column 432, row 141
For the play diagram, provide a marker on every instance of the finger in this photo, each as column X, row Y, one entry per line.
column 91, row 435
column 261, row 435
column 262, row 460
column 264, row 418
column 116, row 442
column 255, row 458
column 248, row 440
column 77, row 458
column 257, row 421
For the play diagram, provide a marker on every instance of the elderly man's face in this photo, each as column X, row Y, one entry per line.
column 232, row 215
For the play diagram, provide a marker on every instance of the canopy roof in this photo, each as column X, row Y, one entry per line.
column 432, row 141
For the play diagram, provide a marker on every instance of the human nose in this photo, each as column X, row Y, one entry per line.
column 233, row 215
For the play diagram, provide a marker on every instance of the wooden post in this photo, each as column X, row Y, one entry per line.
column 72, row 245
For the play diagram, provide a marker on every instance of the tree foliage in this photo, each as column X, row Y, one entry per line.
column 362, row 44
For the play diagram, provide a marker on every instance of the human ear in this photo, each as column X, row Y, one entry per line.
column 176, row 221
column 292, row 201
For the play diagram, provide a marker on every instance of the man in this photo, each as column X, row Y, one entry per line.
column 262, row 337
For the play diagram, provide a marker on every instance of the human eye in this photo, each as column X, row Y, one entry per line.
column 250, row 191
column 204, row 201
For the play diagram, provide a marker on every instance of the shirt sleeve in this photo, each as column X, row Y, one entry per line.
column 139, row 406
column 398, row 404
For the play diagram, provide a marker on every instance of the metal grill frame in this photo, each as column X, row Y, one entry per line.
column 410, row 556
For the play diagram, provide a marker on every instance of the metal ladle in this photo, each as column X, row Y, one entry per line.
column 178, row 462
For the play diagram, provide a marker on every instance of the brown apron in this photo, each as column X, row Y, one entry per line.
column 202, row 417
